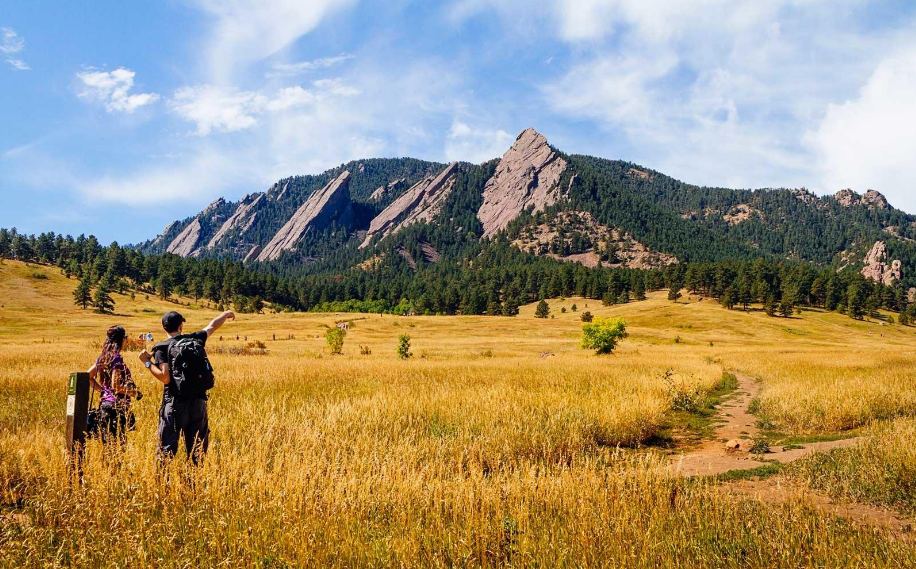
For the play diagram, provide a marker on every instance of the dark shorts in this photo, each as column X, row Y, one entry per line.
column 184, row 418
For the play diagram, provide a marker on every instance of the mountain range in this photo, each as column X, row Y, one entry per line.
column 576, row 208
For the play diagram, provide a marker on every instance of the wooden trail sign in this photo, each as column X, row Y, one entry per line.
column 77, row 409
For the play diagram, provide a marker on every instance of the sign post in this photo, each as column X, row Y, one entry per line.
column 77, row 409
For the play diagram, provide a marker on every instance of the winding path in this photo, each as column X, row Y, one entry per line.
column 712, row 458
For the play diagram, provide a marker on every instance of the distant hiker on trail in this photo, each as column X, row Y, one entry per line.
column 111, row 377
column 181, row 364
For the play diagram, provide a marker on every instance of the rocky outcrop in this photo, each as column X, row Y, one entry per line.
column 242, row 219
column 421, row 202
column 740, row 213
column 875, row 199
column 329, row 205
column 871, row 199
column 804, row 195
column 383, row 192
column 911, row 294
column 186, row 243
column 162, row 236
column 526, row 176
column 847, row 198
column 641, row 174
column 576, row 236
column 253, row 254
column 877, row 269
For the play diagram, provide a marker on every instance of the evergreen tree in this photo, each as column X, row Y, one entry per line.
column 101, row 299
column 769, row 305
column 786, row 306
column 855, row 305
column 542, row 310
column 729, row 298
column 639, row 288
column 674, row 293
column 164, row 286
column 82, row 295
column 5, row 244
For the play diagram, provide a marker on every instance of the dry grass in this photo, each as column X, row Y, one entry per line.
column 477, row 452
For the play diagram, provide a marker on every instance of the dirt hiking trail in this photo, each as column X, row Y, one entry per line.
column 713, row 458
column 737, row 423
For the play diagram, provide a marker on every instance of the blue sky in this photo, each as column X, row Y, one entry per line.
column 119, row 117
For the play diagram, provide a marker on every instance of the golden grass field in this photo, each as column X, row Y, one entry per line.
column 500, row 442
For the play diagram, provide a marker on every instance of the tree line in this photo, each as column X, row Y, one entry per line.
column 493, row 277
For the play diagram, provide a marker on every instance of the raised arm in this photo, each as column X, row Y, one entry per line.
column 215, row 324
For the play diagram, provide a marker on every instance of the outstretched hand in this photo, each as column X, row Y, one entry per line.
column 229, row 315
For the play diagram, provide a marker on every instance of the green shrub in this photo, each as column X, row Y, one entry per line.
column 404, row 346
column 602, row 334
column 335, row 339
column 586, row 316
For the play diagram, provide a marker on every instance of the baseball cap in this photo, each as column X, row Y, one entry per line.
column 171, row 321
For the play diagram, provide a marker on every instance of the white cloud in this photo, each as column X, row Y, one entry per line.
column 296, row 130
column 870, row 142
column 293, row 69
column 213, row 108
column 12, row 45
column 475, row 144
column 248, row 31
column 716, row 92
column 203, row 176
column 112, row 89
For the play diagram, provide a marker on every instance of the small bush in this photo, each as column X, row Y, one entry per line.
column 586, row 316
column 488, row 353
column 563, row 310
column 39, row 276
column 683, row 395
column 365, row 351
column 404, row 347
column 677, row 339
column 602, row 334
column 574, row 308
column 335, row 339
column 760, row 446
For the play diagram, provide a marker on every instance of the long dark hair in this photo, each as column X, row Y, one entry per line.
column 114, row 339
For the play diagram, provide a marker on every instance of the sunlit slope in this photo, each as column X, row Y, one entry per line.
column 821, row 371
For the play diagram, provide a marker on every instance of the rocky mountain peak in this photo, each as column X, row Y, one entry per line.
column 875, row 199
column 242, row 219
column 185, row 243
column 872, row 198
column 419, row 203
column 214, row 205
column 328, row 205
column 847, row 197
column 527, row 175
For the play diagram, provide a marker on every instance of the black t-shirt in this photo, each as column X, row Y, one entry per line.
column 161, row 355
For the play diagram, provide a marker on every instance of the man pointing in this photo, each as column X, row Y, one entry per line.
column 181, row 364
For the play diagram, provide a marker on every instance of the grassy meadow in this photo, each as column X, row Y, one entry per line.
column 499, row 443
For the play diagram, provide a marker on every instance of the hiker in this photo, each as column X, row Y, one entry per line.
column 111, row 377
column 181, row 364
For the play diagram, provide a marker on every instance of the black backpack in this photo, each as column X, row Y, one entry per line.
column 192, row 374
